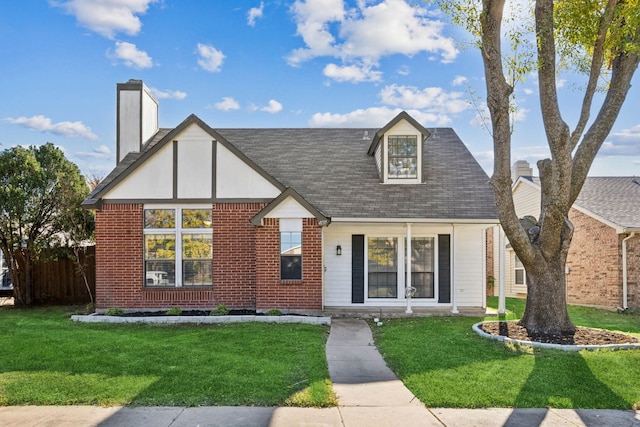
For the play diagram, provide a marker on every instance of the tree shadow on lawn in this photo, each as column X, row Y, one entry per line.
column 560, row 380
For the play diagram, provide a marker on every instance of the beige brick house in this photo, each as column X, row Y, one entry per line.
column 603, row 266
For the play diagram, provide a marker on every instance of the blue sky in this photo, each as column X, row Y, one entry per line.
column 252, row 63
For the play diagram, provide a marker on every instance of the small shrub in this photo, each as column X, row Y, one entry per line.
column 220, row 310
column 274, row 312
column 114, row 311
column 174, row 311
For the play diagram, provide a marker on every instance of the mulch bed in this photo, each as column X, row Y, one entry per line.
column 189, row 313
column 582, row 336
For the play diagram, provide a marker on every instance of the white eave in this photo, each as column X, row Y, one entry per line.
column 417, row 220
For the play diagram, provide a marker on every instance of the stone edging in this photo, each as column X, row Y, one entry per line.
column 95, row 318
column 565, row 347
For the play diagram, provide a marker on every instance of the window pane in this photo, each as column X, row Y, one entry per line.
column 160, row 246
column 382, row 267
column 291, row 267
column 160, row 272
column 422, row 266
column 197, row 272
column 519, row 276
column 159, row 218
column 197, row 246
column 159, row 254
column 196, row 218
column 291, row 243
column 403, row 156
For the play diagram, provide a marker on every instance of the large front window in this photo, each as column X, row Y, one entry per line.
column 403, row 157
column 422, row 266
column 178, row 247
column 382, row 267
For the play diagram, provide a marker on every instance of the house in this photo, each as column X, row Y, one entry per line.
column 302, row 220
column 603, row 264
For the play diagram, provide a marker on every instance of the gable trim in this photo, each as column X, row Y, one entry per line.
column 93, row 200
column 257, row 220
column 403, row 115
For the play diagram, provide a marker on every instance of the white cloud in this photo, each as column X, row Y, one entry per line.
column 432, row 99
column 227, row 104
column 352, row 73
column 107, row 17
column 211, row 59
column 101, row 152
column 372, row 117
column 459, row 81
column 254, row 13
column 129, row 54
column 44, row 124
column 623, row 143
column 273, row 107
column 367, row 32
column 168, row 94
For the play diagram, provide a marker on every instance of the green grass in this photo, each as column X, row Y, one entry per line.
column 445, row 364
column 46, row 359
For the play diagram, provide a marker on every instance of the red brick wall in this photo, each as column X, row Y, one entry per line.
column 246, row 264
column 119, row 256
column 594, row 262
column 273, row 293
column 633, row 270
column 234, row 254
column 120, row 266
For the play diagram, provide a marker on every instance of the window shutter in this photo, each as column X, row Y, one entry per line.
column 444, row 268
column 357, row 268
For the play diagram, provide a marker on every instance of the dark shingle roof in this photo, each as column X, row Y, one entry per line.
column 330, row 169
column 614, row 198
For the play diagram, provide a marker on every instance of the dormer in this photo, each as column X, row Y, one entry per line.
column 398, row 150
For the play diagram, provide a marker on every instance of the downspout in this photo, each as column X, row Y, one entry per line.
column 454, row 288
column 625, row 302
column 407, row 291
column 502, row 309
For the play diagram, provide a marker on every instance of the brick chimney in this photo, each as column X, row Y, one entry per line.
column 521, row 168
column 137, row 117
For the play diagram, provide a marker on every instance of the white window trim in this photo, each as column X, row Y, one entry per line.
column 524, row 273
column 385, row 167
column 402, row 268
column 178, row 231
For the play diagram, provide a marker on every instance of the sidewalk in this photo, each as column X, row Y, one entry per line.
column 369, row 394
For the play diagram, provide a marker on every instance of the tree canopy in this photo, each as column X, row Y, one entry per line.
column 40, row 196
column 600, row 38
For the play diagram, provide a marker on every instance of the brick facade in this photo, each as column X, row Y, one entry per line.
column 594, row 263
column 305, row 294
column 246, row 264
column 633, row 270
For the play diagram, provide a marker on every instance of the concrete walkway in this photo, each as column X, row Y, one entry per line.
column 369, row 394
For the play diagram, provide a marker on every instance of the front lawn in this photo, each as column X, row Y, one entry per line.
column 46, row 359
column 445, row 364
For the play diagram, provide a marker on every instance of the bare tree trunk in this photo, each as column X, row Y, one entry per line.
column 546, row 310
column 22, row 278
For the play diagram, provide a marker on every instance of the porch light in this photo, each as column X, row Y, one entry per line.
column 338, row 250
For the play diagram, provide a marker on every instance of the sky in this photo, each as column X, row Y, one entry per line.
column 256, row 64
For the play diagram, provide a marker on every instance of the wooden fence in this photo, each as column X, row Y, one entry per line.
column 58, row 281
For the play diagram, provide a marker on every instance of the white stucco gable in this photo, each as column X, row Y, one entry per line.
column 236, row 179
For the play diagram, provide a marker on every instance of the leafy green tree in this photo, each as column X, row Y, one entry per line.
column 600, row 38
column 40, row 196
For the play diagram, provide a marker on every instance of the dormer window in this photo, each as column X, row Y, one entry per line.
column 403, row 157
column 397, row 150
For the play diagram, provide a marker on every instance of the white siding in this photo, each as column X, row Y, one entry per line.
column 149, row 115
column 152, row 180
column 236, row 179
column 195, row 164
column 526, row 198
column 289, row 208
column 468, row 265
column 129, row 122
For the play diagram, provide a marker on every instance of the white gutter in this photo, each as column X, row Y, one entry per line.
column 407, row 291
column 453, row 250
column 417, row 220
column 625, row 302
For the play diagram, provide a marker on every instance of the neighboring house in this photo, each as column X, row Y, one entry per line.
column 303, row 220
column 603, row 265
